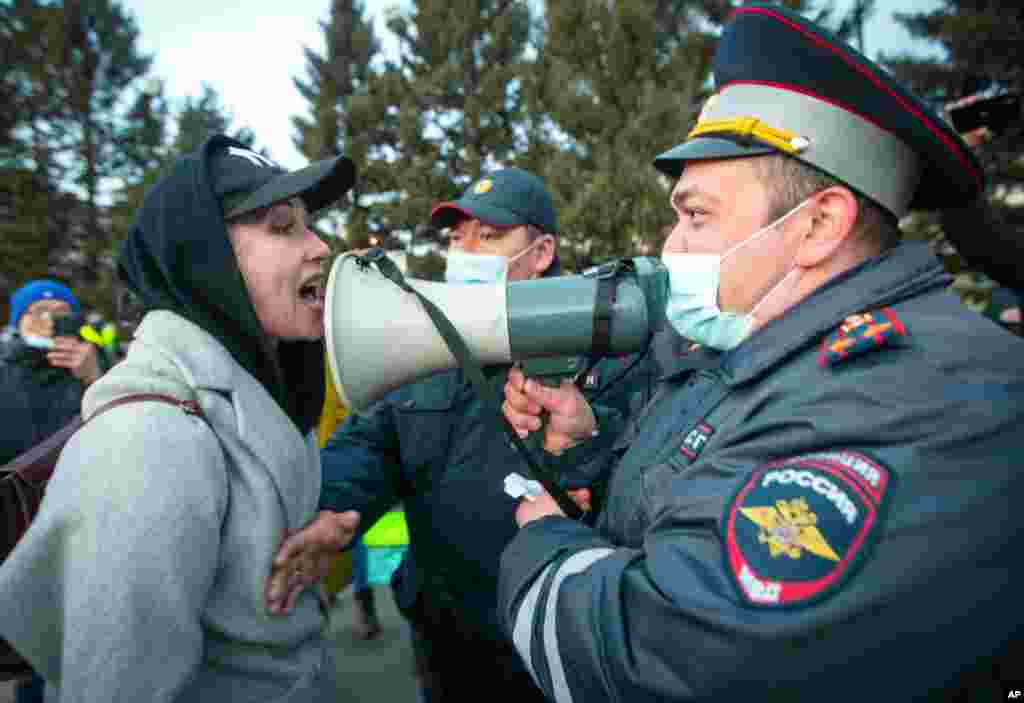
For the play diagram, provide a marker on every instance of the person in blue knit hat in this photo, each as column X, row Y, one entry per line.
column 43, row 377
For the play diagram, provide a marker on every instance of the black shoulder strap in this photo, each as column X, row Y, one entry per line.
column 607, row 276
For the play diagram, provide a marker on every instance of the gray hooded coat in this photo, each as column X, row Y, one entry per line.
column 142, row 577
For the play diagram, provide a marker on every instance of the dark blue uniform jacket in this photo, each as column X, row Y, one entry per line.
column 434, row 446
column 830, row 512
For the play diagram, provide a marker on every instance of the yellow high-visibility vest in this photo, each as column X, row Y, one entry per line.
column 89, row 334
column 334, row 411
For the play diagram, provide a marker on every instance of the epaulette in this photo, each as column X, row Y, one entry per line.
column 860, row 334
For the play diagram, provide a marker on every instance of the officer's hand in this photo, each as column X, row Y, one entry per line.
column 304, row 557
column 77, row 356
column 571, row 419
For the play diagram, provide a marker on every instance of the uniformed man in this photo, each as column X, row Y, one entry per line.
column 822, row 501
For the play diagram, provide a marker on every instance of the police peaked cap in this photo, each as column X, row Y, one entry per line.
column 785, row 85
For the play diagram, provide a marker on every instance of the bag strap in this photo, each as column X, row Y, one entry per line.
column 190, row 407
column 459, row 349
column 29, row 466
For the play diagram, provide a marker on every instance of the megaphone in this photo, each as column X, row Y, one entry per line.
column 380, row 337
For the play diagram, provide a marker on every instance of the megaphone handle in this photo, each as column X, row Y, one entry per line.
column 535, row 440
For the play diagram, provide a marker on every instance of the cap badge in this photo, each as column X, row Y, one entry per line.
column 483, row 186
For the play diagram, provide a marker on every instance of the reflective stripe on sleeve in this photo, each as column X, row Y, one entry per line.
column 523, row 630
column 522, row 633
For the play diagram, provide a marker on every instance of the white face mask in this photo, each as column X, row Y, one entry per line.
column 37, row 342
column 694, row 281
column 463, row 267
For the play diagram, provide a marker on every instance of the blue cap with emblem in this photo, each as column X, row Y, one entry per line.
column 785, row 85
column 506, row 198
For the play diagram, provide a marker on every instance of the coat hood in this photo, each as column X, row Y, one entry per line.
column 178, row 257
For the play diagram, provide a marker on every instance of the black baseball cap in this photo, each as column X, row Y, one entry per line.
column 245, row 180
column 509, row 197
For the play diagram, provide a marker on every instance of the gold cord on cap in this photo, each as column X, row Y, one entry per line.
column 781, row 139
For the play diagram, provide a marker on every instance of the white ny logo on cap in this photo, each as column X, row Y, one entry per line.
column 252, row 156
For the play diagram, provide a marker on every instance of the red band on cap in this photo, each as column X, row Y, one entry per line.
column 944, row 138
column 451, row 206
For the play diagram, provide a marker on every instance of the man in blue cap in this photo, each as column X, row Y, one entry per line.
column 822, row 502
column 437, row 447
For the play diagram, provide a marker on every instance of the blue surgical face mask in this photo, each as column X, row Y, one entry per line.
column 695, row 280
column 37, row 342
column 463, row 267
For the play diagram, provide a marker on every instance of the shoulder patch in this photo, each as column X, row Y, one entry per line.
column 799, row 528
column 860, row 334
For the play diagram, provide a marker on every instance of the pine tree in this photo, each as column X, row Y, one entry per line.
column 333, row 81
column 146, row 151
column 851, row 26
column 983, row 46
column 445, row 110
column 201, row 117
column 99, row 60
column 34, row 217
column 143, row 141
column 67, row 65
column 29, row 229
column 618, row 82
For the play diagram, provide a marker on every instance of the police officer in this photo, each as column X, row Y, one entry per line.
column 435, row 446
column 822, row 501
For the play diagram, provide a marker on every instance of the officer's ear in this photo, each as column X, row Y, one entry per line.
column 542, row 255
column 831, row 222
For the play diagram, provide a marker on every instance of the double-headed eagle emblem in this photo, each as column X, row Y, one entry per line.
column 790, row 528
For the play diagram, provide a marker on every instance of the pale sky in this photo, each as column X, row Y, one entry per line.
column 249, row 51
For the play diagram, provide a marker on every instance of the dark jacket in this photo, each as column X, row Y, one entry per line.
column 434, row 446
column 36, row 399
column 831, row 511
